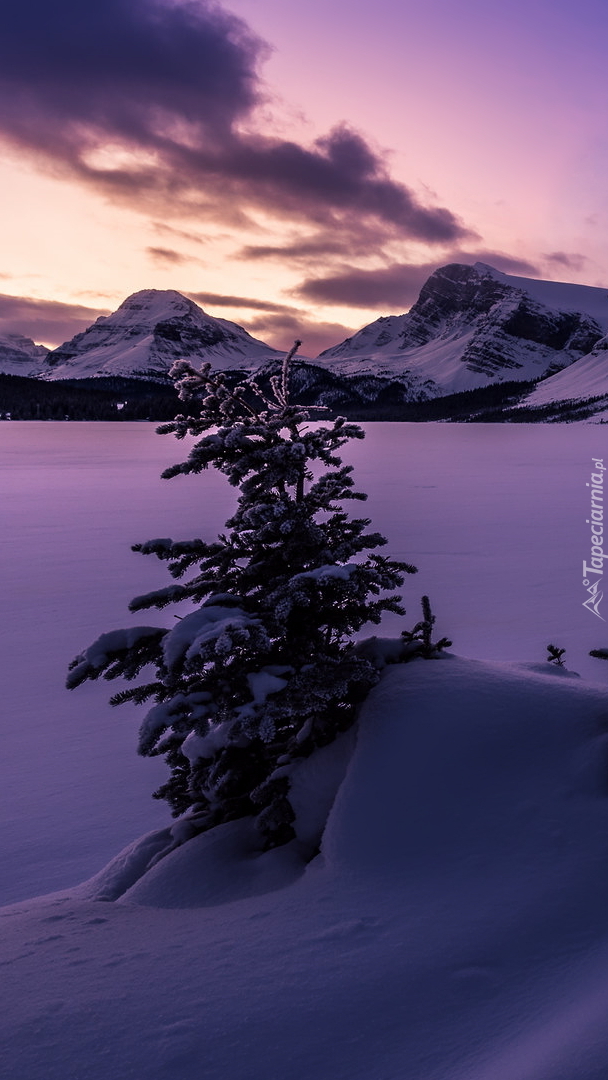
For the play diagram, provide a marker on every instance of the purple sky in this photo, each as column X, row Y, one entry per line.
column 300, row 171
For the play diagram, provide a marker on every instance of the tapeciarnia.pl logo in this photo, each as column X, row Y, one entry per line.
column 595, row 566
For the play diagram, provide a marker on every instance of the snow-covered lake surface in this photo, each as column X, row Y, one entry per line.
column 492, row 515
column 453, row 926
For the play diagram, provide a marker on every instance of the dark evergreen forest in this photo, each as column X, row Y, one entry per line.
column 123, row 399
column 86, row 399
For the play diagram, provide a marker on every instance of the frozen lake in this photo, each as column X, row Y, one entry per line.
column 493, row 516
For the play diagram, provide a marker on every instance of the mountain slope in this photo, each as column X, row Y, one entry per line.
column 473, row 325
column 20, row 356
column 587, row 377
column 147, row 333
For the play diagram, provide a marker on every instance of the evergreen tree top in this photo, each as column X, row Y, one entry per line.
column 263, row 669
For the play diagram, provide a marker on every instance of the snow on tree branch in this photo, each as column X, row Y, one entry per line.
column 263, row 669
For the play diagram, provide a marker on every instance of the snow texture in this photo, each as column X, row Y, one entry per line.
column 263, row 683
column 325, row 573
column 493, row 516
column 585, row 378
column 96, row 655
column 194, row 632
column 452, row 926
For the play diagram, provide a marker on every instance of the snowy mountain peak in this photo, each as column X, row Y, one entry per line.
column 473, row 325
column 485, row 270
column 147, row 333
column 153, row 305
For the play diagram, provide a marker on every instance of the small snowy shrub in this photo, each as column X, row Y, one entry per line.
column 555, row 655
column 419, row 641
column 264, row 668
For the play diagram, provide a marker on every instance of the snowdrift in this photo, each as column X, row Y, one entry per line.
column 453, row 925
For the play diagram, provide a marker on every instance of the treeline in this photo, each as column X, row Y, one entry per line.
column 86, row 399
column 358, row 398
column 482, row 404
column 500, row 403
column 122, row 399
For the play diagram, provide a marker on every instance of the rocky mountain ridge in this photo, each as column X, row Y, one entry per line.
column 21, row 356
column 473, row 325
column 471, row 328
column 147, row 333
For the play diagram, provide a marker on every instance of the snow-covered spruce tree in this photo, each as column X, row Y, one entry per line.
column 263, row 670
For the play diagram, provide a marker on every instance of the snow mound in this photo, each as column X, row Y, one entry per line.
column 452, row 928
column 217, row 867
column 176, row 868
column 467, row 764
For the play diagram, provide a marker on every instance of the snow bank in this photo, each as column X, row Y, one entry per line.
column 216, row 868
column 462, row 760
column 453, row 927
column 176, row 868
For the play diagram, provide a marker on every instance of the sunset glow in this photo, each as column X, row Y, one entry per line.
column 298, row 169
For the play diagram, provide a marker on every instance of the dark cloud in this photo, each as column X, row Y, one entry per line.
column 167, row 256
column 279, row 324
column 52, row 322
column 46, row 321
column 281, row 330
column 339, row 180
column 147, row 99
column 395, row 286
column 131, row 69
column 326, row 245
column 569, row 261
column 506, row 263
column 354, row 240
column 164, row 229
column 221, row 300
